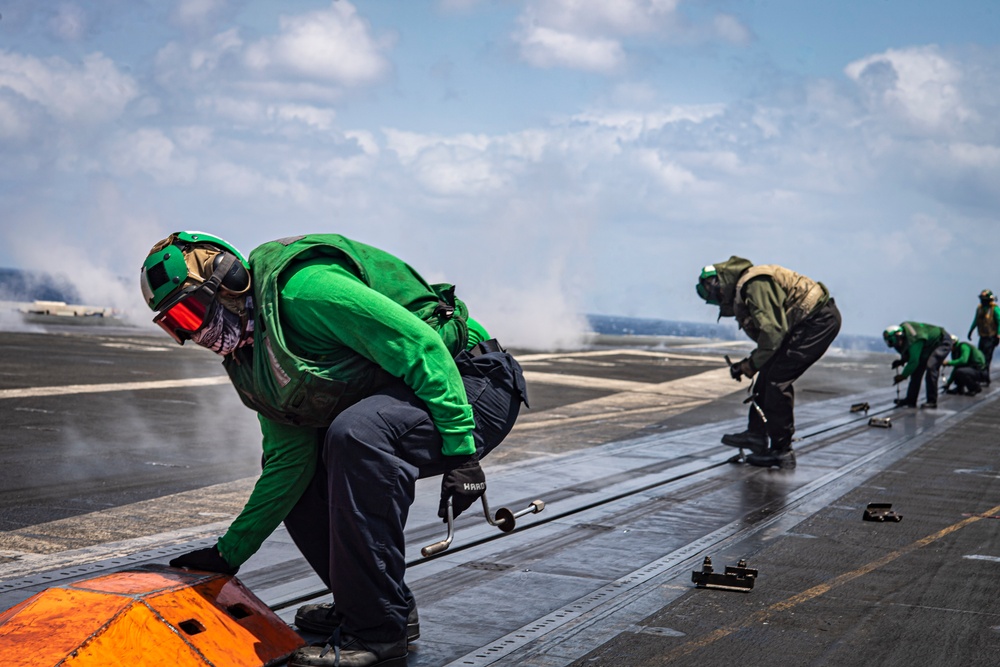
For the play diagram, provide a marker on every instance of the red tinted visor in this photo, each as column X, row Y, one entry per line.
column 185, row 316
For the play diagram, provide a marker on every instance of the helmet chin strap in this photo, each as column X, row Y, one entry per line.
column 213, row 283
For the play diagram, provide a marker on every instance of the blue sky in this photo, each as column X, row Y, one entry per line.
column 550, row 157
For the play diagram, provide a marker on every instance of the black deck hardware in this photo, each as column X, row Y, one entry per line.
column 860, row 407
column 738, row 578
column 881, row 422
column 881, row 512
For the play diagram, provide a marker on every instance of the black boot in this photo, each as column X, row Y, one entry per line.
column 903, row 403
column 349, row 651
column 929, row 405
column 780, row 458
column 322, row 619
column 755, row 442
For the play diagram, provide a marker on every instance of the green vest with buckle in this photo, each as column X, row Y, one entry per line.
column 292, row 389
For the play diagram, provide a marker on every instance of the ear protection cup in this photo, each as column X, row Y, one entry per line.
column 237, row 280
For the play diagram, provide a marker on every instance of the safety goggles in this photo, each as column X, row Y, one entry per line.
column 191, row 310
column 188, row 314
column 708, row 292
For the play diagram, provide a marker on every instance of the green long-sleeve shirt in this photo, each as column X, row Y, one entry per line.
column 965, row 354
column 766, row 301
column 325, row 308
column 920, row 341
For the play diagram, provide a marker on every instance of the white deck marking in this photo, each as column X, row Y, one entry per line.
column 30, row 392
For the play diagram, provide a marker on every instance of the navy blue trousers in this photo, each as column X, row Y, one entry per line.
column 349, row 523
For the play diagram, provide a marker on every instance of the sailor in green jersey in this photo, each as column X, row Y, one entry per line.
column 793, row 319
column 986, row 322
column 922, row 348
column 365, row 378
column 968, row 368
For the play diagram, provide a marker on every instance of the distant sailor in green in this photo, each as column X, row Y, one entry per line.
column 968, row 368
column 922, row 348
column 986, row 322
column 793, row 319
column 365, row 378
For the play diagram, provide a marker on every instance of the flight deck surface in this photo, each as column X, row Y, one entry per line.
column 622, row 444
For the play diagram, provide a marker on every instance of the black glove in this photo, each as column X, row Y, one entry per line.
column 897, row 363
column 896, row 379
column 208, row 560
column 463, row 484
column 736, row 372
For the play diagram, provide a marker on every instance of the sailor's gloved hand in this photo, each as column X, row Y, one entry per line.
column 208, row 560
column 896, row 379
column 896, row 363
column 741, row 368
column 969, row 335
column 464, row 484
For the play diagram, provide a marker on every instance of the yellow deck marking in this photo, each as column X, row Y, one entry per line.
column 821, row 589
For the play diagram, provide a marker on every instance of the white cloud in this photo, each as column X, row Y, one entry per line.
column 263, row 116
column 207, row 58
column 672, row 176
column 917, row 85
column 238, row 110
column 197, row 13
column 731, row 29
column 90, row 93
column 409, row 145
column 977, row 156
column 151, row 152
column 15, row 122
column 459, row 166
column 595, row 35
column 631, row 125
column 547, row 47
column 294, row 75
column 333, row 45
column 315, row 117
column 622, row 17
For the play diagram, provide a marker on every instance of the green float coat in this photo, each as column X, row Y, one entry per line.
column 336, row 320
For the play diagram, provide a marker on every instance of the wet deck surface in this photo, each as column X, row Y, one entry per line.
column 621, row 444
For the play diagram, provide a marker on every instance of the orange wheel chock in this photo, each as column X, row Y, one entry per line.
column 154, row 616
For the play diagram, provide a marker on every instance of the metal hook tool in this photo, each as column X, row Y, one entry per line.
column 504, row 519
column 751, row 399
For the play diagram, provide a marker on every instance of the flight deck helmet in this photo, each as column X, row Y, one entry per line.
column 185, row 277
column 893, row 336
column 709, row 287
column 986, row 297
